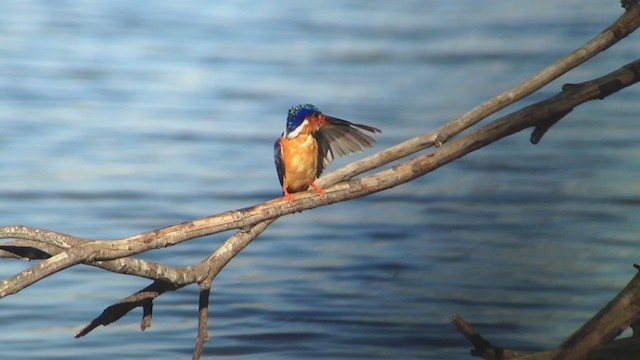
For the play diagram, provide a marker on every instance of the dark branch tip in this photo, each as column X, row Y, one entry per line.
column 628, row 4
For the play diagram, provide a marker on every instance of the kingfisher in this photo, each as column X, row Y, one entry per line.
column 310, row 142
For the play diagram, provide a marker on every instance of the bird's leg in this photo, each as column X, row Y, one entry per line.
column 287, row 195
column 318, row 189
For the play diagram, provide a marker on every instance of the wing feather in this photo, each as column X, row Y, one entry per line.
column 337, row 137
column 277, row 157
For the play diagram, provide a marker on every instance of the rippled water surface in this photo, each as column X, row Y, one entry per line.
column 119, row 117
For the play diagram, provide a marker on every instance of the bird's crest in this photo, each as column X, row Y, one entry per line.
column 297, row 114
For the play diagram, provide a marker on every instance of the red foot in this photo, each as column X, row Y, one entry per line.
column 288, row 196
column 318, row 189
column 290, row 199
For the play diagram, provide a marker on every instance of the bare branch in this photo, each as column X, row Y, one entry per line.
column 605, row 325
column 42, row 244
column 621, row 28
column 141, row 298
column 205, row 271
column 593, row 341
column 27, row 250
column 539, row 114
column 51, row 238
column 532, row 116
column 203, row 315
column 482, row 347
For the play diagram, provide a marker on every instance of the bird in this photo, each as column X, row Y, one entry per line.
column 310, row 142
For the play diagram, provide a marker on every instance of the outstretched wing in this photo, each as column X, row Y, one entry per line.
column 277, row 157
column 340, row 137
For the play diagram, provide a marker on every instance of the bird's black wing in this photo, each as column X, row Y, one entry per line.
column 277, row 157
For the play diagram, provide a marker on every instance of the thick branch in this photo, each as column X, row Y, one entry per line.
column 605, row 325
column 42, row 244
column 626, row 24
column 481, row 347
column 535, row 115
column 593, row 341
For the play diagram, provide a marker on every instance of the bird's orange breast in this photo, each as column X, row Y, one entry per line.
column 300, row 158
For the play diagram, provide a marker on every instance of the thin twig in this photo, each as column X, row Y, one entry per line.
column 482, row 347
column 203, row 315
column 141, row 298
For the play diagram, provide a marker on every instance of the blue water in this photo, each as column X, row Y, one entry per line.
column 119, row 117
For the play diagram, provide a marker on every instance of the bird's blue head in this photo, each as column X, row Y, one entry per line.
column 297, row 114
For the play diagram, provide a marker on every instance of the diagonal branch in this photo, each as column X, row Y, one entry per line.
column 605, row 325
column 481, row 347
column 593, row 341
column 118, row 310
column 621, row 28
column 42, row 244
column 80, row 251
column 170, row 236
column 536, row 115
column 205, row 272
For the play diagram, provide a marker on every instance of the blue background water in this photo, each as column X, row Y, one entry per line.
column 120, row 117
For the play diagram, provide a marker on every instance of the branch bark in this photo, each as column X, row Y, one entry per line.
column 541, row 115
column 89, row 251
column 592, row 341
